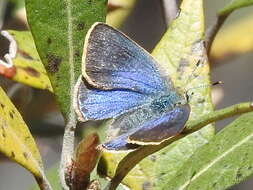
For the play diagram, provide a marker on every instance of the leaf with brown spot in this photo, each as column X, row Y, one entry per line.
column 53, row 63
column 27, row 67
column 59, row 29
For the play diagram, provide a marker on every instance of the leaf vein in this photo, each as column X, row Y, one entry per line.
column 203, row 170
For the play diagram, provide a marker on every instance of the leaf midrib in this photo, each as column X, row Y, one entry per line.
column 71, row 54
column 204, row 169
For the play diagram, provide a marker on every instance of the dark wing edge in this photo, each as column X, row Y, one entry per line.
column 86, row 43
column 79, row 114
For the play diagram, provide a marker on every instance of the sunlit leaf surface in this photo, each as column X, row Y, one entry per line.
column 226, row 160
column 16, row 141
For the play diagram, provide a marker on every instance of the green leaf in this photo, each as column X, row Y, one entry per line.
column 233, row 5
column 226, row 160
column 178, row 52
column 26, row 65
column 59, row 29
column 16, row 141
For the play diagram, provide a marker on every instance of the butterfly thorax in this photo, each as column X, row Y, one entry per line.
column 166, row 102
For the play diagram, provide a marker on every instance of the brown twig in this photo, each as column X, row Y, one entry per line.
column 43, row 183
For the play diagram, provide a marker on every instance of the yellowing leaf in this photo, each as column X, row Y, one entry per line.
column 24, row 61
column 234, row 39
column 16, row 141
column 118, row 10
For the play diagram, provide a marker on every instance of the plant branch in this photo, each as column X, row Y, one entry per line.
column 218, row 115
column 43, row 183
column 133, row 158
column 67, row 149
column 213, row 30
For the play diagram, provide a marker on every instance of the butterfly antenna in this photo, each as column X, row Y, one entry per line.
column 187, row 95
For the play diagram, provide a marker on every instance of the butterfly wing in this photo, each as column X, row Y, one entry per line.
column 151, row 132
column 111, row 60
column 120, row 76
column 95, row 104
column 159, row 129
column 122, row 81
column 119, row 144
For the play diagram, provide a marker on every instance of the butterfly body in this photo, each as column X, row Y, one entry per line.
column 121, row 81
column 164, row 103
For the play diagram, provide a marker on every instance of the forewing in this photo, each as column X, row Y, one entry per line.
column 111, row 60
column 119, row 75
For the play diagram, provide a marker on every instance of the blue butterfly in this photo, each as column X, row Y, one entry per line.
column 123, row 82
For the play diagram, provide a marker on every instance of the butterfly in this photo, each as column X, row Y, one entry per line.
column 123, row 82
